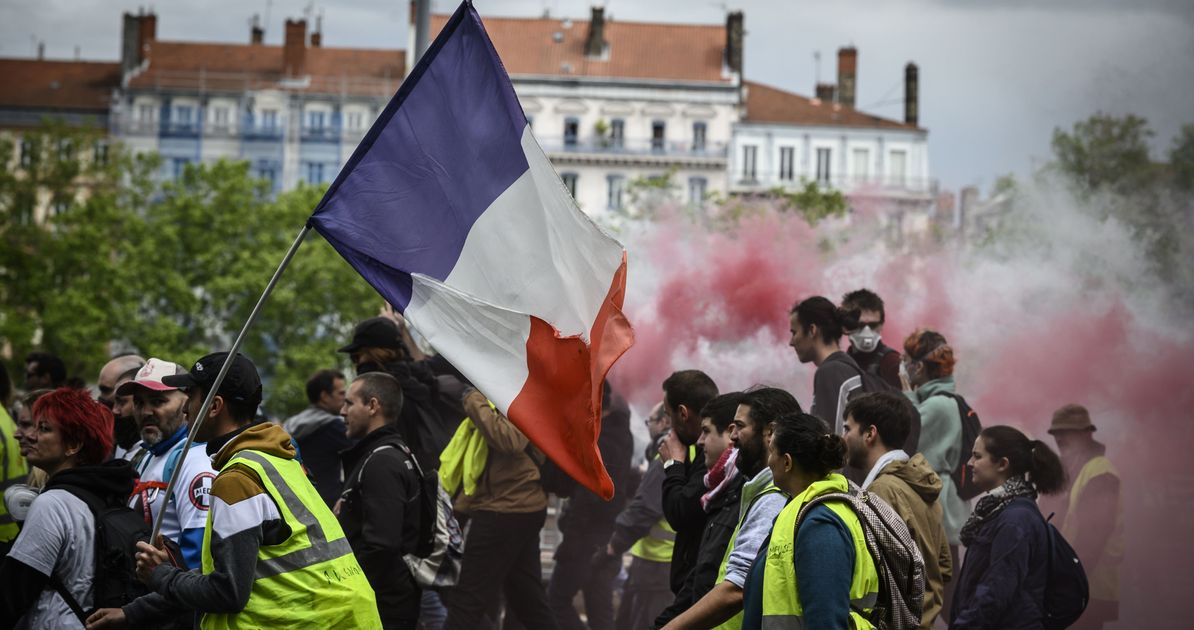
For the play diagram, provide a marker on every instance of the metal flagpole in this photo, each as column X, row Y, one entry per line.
column 215, row 386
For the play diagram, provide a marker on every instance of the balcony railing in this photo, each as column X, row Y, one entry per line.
column 261, row 132
column 847, row 184
column 326, row 133
column 638, row 147
column 176, row 129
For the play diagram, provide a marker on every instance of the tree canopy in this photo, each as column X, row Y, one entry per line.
column 170, row 269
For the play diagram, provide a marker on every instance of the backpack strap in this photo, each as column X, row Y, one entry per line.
column 399, row 446
column 172, row 458
column 70, row 600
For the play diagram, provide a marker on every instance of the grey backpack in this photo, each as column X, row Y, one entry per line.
column 897, row 558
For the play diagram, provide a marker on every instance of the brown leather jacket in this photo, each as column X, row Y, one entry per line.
column 510, row 482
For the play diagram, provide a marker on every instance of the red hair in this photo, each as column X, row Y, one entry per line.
column 80, row 419
column 930, row 347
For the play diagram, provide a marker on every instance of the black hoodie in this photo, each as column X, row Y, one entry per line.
column 112, row 482
column 429, row 418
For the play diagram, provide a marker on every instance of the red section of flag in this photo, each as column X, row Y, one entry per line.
column 559, row 407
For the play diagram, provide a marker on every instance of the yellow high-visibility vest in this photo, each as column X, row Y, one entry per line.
column 749, row 496
column 1103, row 571
column 13, row 470
column 781, row 600
column 310, row 580
column 658, row 544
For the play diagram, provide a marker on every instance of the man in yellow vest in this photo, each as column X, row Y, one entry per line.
column 274, row 555
column 1093, row 522
column 761, row 501
column 641, row 529
column 13, row 469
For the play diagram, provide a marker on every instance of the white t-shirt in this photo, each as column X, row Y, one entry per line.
column 130, row 454
column 58, row 539
column 188, row 509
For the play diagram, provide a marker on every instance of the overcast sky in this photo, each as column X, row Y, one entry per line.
column 996, row 76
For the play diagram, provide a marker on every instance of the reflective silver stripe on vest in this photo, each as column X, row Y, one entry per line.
column 321, row 549
column 660, row 533
column 796, row 622
column 866, row 602
column 783, row 622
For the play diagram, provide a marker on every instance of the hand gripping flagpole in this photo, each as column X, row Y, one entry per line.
column 215, row 386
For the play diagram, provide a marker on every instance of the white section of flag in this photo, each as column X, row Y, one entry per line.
column 493, row 339
column 533, row 251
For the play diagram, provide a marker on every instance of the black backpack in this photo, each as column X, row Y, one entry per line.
column 971, row 427
column 436, row 557
column 873, row 383
column 118, row 529
column 1066, row 592
column 554, row 479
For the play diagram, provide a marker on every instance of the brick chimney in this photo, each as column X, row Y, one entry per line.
column 147, row 33
column 317, row 36
column 294, row 48
column 137, row 32
column 911, row 95
column 595, row 43
column 825, row 92
column 847, row 75
column 735, row 33
column 256, row 33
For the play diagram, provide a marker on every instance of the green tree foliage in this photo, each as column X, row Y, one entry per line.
column 811, row 202
column 68, row 209
column 1181, row 159
column 173, row 271
column 1105, row 153
column 1107, row 160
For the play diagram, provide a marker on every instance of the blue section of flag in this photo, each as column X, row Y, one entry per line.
column 447, row 145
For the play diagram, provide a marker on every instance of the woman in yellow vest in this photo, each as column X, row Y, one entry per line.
column 816, row 572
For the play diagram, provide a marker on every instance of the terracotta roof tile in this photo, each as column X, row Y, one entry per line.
column 237, row 67
column 766, row 104
column 57, row 85
column 666, row 52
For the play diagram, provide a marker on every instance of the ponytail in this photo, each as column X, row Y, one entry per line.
column 1048, row 475
column 1032, row 458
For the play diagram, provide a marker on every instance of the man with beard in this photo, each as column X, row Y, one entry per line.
column 160, row 411
column 685, row 393
column 761, row 501
column 114, row 374
column 723, row 485
column 866, row 343
column 876, row 426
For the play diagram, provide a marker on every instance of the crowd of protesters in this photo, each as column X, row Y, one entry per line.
column 402, row 498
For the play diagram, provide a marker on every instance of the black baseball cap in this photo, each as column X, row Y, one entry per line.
column 375, row 332
column 240, row 383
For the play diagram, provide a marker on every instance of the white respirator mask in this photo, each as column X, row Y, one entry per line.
column 865, row 339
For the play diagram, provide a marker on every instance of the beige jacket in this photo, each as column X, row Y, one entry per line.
column 911, row 488
column 510, row 482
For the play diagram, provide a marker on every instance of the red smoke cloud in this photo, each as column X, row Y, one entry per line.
column 1029, row 335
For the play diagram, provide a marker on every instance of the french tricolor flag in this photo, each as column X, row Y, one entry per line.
column 452, row 211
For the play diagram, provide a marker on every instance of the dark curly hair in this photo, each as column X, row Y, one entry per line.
column 810, row 444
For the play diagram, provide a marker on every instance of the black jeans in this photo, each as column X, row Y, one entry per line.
column 501, row 556
column 574, row 572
